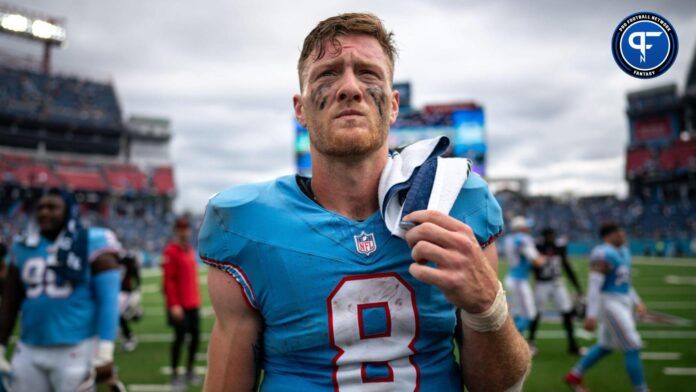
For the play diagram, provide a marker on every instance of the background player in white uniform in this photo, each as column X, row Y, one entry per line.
column 65, row 280
column 549, row 285
column 611, row 300
column 522, row 255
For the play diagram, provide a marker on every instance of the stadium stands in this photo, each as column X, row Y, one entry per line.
column 29, row 95
column 163, row 181
column 125, row 178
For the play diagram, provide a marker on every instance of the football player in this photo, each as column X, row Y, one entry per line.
column 312, row 287
column 611, row 299
column 129, row 299
column 522, row 256
column 65, row 281
column 549, row 284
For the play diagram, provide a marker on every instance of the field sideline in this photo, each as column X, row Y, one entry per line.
column 668, row 286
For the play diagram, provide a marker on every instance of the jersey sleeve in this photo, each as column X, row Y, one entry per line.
column 101, row 241
column 598, row 255
column 477, row 207
column 222, row 248
column 528, row 249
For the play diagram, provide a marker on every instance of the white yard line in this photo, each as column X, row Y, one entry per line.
column 671, row 305
column 660, row 356
column 199, row 370
column 157, row 271
column 675, row 371
column 150, row 388
column 665, row 262
column 680, row 280
column 163, row 337
column 206, row 311
column 151, row 288
column 649, row 334
column 545, row 335
column 668, row 334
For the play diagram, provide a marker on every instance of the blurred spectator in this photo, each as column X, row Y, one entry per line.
column 183, row 300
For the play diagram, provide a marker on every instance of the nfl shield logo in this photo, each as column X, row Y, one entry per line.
column 365, row 243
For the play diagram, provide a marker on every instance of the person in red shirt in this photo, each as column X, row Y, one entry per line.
column 183, row 299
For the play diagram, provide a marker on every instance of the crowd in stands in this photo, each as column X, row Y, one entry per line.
column 650, row 161
column 145, row 228
column 135, row 204
column 58, row 99
column 115, row 178
column 578, row 219
column 410, row 119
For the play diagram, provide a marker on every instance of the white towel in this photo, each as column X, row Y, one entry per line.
column 418, row 178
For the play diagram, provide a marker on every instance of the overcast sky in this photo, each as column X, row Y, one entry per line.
column 224, row 73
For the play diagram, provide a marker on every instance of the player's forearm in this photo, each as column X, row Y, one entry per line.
column 635, row 298
column 594, row 288
column 494, row 361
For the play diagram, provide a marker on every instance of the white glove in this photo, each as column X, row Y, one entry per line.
column 104, row 354
column 4, row 365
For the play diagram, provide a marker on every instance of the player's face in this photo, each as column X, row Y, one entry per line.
column 347, row 102
column 50, row 214
column 183, row 234
column 618, row 238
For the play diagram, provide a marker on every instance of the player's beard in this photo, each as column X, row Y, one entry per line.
column 345, row 142
column 351, row 140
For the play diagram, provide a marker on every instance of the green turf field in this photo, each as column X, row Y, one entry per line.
column 667, row 286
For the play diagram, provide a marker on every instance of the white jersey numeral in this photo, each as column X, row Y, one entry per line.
column 374, row 357
column 623, row 275
column 38, row 278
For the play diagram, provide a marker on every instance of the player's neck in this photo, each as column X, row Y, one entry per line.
column 349, row 187
column 51, row 235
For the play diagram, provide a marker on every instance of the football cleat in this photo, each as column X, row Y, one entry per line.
column 574, row 382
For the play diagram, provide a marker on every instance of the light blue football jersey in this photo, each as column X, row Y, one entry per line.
column 56, row 312
column 618, row 278
column 518, row 249
column 340, row 309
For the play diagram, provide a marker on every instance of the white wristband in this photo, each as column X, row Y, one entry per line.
column 104, row 353
column 493, row 318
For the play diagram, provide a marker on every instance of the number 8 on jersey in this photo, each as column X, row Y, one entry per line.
column 373, row 325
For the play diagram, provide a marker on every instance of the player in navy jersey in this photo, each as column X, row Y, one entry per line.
column 549, row 284
column 611, row 299
column 65, row 281
column 312, row 287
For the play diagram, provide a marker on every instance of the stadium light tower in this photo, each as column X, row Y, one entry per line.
column 46, row 30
